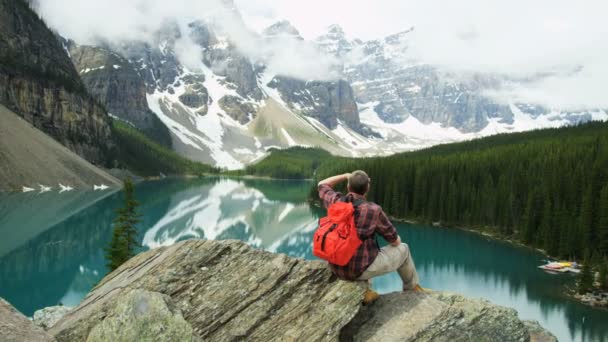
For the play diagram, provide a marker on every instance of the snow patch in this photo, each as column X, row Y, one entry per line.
column 87, row 70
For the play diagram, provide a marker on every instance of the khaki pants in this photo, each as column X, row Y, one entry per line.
column 394, row 258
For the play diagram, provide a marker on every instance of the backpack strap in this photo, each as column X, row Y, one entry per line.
column 356, row 203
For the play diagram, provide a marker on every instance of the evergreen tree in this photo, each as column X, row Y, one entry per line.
column 124, row 243
column 585, row 281
column 603, row 222
column 545, row 187
column 586, row 218
column 604, row 275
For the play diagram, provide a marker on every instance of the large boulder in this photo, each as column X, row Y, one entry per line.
column 226, row 291
column 437, row 316
column 14, row 327
column 214, row 291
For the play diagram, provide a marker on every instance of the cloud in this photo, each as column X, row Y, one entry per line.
column 93, row 21
column 519, row 38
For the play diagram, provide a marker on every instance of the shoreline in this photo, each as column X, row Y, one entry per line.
column 597, row 299
column 487, row 233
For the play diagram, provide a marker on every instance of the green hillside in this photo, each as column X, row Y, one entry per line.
column 144, row 157
column 292, row 163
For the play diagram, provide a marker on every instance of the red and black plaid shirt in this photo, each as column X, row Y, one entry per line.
column 369, row 220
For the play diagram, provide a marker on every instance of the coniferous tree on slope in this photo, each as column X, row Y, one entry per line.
column 585, row 281
column 124, row 243
column 547, row 188
column 603, row 222
column 604, row 275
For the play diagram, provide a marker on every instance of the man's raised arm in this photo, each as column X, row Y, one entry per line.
column 332, row 181
column 326, row 191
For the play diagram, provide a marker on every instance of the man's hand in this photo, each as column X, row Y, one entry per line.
column 332, row 181
column 396, row 242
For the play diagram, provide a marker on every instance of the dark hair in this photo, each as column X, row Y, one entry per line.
column 358, row 182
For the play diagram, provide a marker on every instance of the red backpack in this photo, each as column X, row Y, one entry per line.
column 336, row 240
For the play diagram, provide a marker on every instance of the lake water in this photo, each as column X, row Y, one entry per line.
column 51, row 250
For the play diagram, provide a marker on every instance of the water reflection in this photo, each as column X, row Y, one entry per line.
column 228, row 209
column 59, row 257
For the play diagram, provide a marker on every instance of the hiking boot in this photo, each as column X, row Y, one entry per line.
column 370, row 296
column 417, row 288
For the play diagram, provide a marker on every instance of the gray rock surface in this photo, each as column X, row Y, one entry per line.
column 226, row 291
column 14, row 327
column 139, row 315
column 327, row 102
column 115, row 83
column 436, row 316
column 237, row 109
column 47, row 317
column 538, row 333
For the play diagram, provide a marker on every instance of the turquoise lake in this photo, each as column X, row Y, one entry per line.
column 51, row 249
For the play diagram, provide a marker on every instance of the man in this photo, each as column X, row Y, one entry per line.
column 369, row 260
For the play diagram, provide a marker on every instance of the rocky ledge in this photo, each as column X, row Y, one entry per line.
column 226, row 291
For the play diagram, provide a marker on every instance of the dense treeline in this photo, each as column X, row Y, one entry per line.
column 292, row 163
column 547, row 188
column 144, row 157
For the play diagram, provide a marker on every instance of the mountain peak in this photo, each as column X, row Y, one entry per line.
column 282, row 28
column 334, row 41
column 335, row 29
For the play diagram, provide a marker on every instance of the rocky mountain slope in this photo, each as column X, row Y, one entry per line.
column 39, row 83
column 228, row 110
column 183, row 293
column 227, row 94
column 115, row 83
column 398, row 89
column 28, row 157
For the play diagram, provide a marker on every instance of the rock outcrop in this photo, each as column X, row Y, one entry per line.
column 216, row 291
column 328, row 102
column 39, row 82
column 227, row 291
column 14, row 327
column 47, row 317
column 438, row 316
column 115, row 83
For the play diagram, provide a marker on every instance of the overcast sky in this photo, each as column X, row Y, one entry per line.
column 514, row 37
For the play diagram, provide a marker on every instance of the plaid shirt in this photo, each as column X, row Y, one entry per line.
column 369, row 220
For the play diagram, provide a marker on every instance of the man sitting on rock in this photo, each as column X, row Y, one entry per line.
column 370, row 260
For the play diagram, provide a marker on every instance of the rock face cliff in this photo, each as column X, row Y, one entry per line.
column 327, row 102
column 115, row 83
column 39, row 82
column 226, row 291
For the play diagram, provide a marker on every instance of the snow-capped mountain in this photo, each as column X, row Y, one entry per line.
column 230, row 109
column 401, row 92
column 226, row 105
